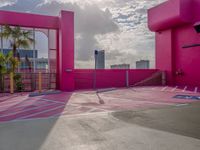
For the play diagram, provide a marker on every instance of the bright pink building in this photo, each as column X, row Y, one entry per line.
column 69, row 78
column 177, row 40
column 176, row 23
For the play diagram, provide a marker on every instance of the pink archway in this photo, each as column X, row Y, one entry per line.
column 64, row 26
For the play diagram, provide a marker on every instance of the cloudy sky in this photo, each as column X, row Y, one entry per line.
column 117, row 26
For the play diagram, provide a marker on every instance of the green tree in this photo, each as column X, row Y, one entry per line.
column 5, row 61
column 2, row 70
column 18, row 38
column 8, row 64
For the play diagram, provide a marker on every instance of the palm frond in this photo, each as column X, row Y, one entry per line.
column 7, row 32
column 16, row 32
column 24, row 43
column 3, row 63
column 18, row 38
column 28, row 35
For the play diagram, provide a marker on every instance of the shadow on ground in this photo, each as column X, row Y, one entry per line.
column 182, row 120
column 30, row 134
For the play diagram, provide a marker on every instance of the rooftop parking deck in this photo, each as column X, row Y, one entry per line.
column 135, row 118
column 19, row 107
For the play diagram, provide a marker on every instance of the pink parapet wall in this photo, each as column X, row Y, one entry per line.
column 173, row 22
column 108, row 78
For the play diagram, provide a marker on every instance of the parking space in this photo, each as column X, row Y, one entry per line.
column 19, row 107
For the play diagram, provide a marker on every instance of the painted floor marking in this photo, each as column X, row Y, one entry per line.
column 9, row 104
column 48, row 100
column 7, row 98
column 196, row 90
column 41, row 112
column 71, row 116
column 24, row 108
column 185, row 88
column 21, row 111
column 20, row 105
column 174, row 89
column 163, row 89
column 10, row 101
column 14, row 102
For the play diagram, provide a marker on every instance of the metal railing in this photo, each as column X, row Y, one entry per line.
column 28, row 82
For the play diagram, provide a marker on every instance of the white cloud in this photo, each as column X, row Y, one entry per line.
column 118, row 26
column 89, row 22
column 7, row 2
column 134, row 41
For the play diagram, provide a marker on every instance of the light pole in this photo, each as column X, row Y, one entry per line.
column 95, row 67
column 96, row 52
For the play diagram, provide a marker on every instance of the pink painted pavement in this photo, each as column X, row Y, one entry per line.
column 19, row 107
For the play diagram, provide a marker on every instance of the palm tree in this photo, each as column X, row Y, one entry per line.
column 6, row 60
column 2, row 71
column 8, row 64
column 12, row 63
column 18, row 38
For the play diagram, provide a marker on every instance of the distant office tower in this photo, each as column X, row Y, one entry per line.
column 40, row 63
column 29, row 60
column 120, row 66
column 142, row 64
column 23, row 53
column 100, row 59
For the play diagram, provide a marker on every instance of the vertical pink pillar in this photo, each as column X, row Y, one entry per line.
column 66, row 51
column 57, row 59
column 164, row 54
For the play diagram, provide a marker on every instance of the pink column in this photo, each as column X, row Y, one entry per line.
column 66, row 51
column 164, row 54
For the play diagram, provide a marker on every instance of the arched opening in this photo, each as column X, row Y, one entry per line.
column 39, row 56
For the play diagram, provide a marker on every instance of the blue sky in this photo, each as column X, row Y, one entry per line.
column 117, row 26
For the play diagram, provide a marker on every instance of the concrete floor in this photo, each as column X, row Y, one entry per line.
column 166, row 128
column 19, row 107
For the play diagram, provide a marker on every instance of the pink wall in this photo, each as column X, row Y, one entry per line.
column 188, row 59
column 84, row 78
column 137, row 75
column 164, row 53
column 173, row 23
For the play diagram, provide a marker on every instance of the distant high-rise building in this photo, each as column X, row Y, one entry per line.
column 23, row 53
column 29, row 58
column 41, row 63
column 142, row 64
column 120, row 66
column 100, row 59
